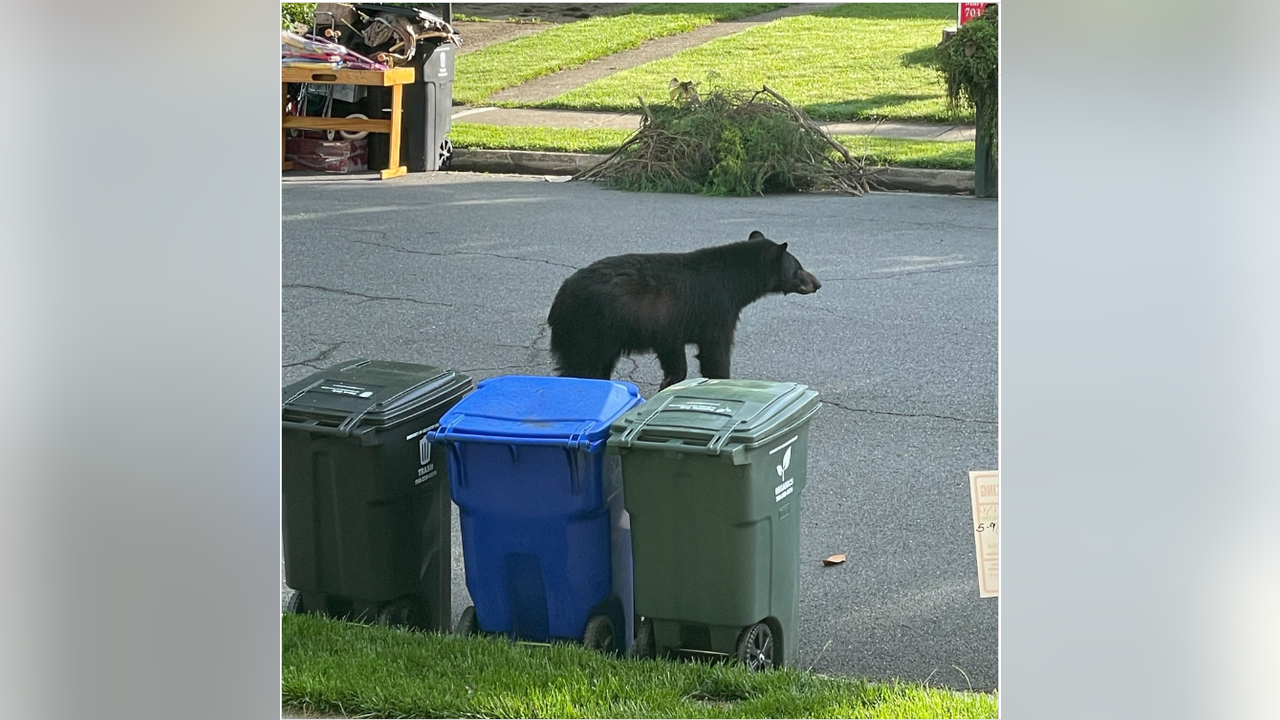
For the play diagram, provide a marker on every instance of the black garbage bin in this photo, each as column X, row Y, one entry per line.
column 365, row 497
column 427, row 111
column 428, row 106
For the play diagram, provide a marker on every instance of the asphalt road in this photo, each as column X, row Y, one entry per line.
column 459, row 270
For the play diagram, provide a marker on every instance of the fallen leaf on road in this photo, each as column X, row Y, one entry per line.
column 833, row 560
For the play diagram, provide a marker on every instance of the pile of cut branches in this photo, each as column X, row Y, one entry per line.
column 730, row 143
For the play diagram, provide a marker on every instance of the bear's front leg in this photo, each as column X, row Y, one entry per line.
column 674, row 365
column 713, row 358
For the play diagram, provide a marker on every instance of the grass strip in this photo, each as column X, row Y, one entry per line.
column 519, row 137
column 333, row 667
column 878, row 151
column 860, row 61
column 897, row 152
column 488, row 70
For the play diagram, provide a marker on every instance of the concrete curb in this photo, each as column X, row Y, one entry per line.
column 924, row 180
column 527, row 162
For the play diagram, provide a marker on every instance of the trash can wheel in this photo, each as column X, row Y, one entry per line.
column 445, row 157
column 467, row 624
column 397, row 613
column 293, row 602
column 599, row 635
column 644, row 646
column 755, row 647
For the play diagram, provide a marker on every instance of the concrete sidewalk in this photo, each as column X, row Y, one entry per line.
column 526, row 162
column 557, row 83
column 631, row 121
column 549, row 86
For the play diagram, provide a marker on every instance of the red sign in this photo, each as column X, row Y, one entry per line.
column 969, row 11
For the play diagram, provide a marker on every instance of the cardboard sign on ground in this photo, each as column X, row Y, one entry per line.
column 984, row 493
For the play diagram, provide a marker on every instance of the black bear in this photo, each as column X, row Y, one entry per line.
column 662, row 301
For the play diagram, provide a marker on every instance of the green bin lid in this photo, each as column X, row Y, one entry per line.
column 713, row 416
column 365, row 394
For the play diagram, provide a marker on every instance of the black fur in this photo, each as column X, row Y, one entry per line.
column 662, row 301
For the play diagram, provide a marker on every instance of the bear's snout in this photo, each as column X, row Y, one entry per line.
column 808, row 283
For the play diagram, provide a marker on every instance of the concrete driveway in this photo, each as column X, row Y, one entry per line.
column 459, row 270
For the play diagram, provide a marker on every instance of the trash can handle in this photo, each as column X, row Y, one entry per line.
column 718, row 440
column 300, row 393
column 314, row 426
column 629, row 435
column 344, row 429
column 578, row 439
column 354, row 364
column 575, row 481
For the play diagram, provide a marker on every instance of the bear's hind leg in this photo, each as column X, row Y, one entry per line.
column 583, row 354
column 713, row 359
column 674, row 365
column 604, row 371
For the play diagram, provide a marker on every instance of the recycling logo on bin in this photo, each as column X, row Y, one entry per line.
column 787, row 485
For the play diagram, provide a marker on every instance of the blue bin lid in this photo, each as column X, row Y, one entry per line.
column 528, row 410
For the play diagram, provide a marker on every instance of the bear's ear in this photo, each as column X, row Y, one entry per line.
column 776, row 253
column 755, row 235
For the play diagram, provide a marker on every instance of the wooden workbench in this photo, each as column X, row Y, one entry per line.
column 395, row 78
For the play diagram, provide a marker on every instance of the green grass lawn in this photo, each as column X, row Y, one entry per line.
column 488, row 70
column 895, row 152
column 857, row 61
column 872, row 150
column 338, row 668
column 514, row 137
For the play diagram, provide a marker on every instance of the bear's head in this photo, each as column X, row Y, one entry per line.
column 788, row 276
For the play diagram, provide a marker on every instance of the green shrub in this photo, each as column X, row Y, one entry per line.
column 970, row 61
column 291, row 13
column 730, row 144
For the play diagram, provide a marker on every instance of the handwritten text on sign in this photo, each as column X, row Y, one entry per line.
column 969, row 11
column 984, row 491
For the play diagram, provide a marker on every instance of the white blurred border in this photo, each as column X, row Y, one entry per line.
column 141, row 321
column 1138, row 356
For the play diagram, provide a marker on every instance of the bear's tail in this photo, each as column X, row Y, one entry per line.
column 578, row 350
column 571, row 355
column 556, row 319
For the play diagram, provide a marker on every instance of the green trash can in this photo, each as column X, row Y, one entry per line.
column 712, row 472
column 365, row 496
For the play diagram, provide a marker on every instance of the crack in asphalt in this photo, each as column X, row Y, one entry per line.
column 911, row 415
column 630, row 375
column 374, row 231
column 432, row 253
column 533, row 348
column 543, row 328
column 323, row 356
column 366, row 297
column 830, row 312
column 533, row 344
column 912, row 272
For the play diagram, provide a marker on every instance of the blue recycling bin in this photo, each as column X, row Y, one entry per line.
column 546, row 541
